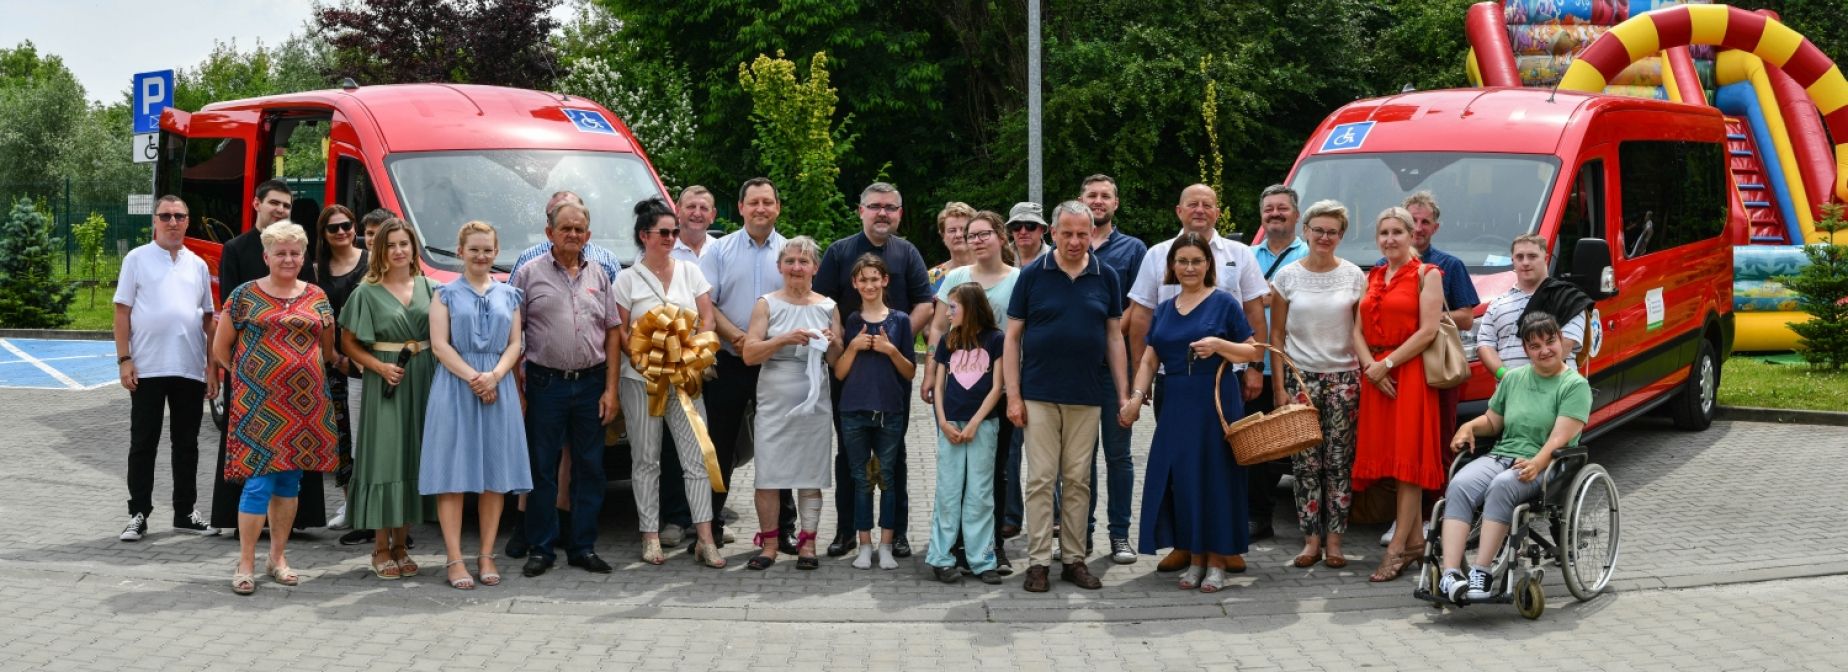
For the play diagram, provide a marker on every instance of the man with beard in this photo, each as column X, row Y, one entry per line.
column 1120, row 253
column 881, row 208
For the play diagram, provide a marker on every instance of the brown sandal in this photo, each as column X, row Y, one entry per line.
column 1306, row 560
column 1392, row 565
column 1334, row 561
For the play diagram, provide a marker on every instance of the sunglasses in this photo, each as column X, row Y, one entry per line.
column 667, row 233
column 172, row 216
column 338, row 226
column 1024, row 226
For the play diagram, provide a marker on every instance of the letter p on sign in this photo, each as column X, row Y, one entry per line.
column 153, row 93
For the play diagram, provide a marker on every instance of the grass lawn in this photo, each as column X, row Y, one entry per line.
column 84, row 316
column 1758, row 383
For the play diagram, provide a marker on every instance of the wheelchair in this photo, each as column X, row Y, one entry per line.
column 1572, row 525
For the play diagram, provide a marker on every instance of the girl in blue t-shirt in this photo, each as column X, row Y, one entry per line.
column 875, row 369
column 968, row 386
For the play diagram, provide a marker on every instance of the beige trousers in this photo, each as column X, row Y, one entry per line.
column 1061, row 440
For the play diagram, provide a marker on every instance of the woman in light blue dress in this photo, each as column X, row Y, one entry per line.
column 477, row 441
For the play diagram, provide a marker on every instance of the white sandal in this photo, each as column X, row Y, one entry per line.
column 1215, row 580
column 1190, row 577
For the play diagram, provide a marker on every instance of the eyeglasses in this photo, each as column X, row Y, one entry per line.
column 172, row 216
column 979, row 235
column 1190, row 262
column 667, row 233
column 338, row 226
column 878, row 207
column 1319, row 232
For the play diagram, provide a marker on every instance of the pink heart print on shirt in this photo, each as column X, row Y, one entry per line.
column 968, row 366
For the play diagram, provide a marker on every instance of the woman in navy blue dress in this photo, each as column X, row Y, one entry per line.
column 1193, row 494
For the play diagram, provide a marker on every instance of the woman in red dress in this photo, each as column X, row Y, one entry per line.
column 1400, row 433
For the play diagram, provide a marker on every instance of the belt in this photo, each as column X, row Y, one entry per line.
column 593, row 370
column 414, row 346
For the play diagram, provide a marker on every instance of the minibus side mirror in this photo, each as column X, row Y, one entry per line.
column 1591, row 268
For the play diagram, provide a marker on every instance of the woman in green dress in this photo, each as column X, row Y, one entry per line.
column 385, row 329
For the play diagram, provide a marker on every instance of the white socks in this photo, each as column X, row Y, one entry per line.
column 865, row 559
column 886, row 561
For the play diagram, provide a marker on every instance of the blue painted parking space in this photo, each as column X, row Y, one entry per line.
column 51, row 364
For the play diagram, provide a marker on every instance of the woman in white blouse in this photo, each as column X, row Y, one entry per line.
column 655, row 279
column 1312, row 319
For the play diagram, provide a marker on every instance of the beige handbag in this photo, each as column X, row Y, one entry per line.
column 1444, row 364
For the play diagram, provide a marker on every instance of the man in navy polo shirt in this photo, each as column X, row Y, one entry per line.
column 881, row 208
column 1121, row 254
column 1065, row 316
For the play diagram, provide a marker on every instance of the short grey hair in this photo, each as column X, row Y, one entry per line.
column 802, row 245
column 1276, row 189
column 881, row 188
column 1329, row 208
column 551, row 216
column 1075, row 209
column 283, row 232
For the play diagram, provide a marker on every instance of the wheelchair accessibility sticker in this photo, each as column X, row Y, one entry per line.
column 589, row 121
column 47, row 364
column 1347, row 136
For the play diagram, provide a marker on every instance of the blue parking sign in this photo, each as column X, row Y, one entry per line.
column 153, row 93
column 589, row 121
column 1346, row 136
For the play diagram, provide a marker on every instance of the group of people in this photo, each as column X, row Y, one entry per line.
column 1037, row 352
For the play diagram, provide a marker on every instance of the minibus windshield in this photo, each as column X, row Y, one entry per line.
column 508, row 188
column 1484, row 200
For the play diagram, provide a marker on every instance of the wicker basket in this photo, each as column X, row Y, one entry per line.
column 1262, row 437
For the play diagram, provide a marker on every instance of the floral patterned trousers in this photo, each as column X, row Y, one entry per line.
column 1324, row 484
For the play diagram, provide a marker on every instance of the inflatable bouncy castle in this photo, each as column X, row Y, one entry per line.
column 1782, row 98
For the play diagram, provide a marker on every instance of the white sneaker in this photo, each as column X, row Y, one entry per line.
column 1452, row 587
column 339, row 521
column 1386, row 539
column 137, row 528
column 672, row 535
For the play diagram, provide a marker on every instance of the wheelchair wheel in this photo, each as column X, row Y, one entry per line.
column 1529, row 599
column 1590, row 547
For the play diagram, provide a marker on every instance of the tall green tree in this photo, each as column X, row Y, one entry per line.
column 500, row 42
column 40, row 104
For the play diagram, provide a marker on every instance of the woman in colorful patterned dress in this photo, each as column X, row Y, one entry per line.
column 281, row 420
column 385, row 329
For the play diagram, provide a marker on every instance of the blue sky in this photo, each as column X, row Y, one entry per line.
column 105, row 42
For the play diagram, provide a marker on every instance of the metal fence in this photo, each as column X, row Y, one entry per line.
column 69, row 202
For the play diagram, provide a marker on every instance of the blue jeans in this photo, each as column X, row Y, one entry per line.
column 965, row 498
column 868, row 433
column 1016, row 498
column 561, row 410
column 1119, row 475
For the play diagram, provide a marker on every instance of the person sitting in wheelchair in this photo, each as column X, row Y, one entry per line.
column 1536, row 409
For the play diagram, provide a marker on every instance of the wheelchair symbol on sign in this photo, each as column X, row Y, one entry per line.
column 1347, row 136
column 589, row 121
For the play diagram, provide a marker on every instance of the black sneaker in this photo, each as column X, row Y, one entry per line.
column 1003, row 566
column 901, row 548
column 991, row 577
column 1121, row 553
column 1478, row 585
column 356, row 537
column 137, row 527
column 195, row 523
column 946, row 574
column 1452, row 587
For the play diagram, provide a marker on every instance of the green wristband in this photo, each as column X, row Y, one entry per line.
column 1503, row 371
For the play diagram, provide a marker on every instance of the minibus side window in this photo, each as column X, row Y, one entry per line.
column 212, row 182
column 353, row 188
column 1583, row 216
column 1674, row 193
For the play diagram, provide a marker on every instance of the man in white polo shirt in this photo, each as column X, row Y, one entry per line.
column 163, row 314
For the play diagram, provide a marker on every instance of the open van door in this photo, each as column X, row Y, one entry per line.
column 206, row 158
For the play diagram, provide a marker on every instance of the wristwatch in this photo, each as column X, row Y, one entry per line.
column 123, row 358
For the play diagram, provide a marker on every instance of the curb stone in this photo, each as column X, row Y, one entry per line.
column 1782, row 415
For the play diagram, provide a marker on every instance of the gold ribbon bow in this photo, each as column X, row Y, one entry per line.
column 671, row 353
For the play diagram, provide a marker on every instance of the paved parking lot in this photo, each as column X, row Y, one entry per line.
column 1720, row 529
